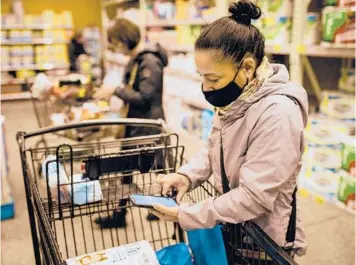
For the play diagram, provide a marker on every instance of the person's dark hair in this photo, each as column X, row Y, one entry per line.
column 233, row 35
column 125, row 31
column 78, row 34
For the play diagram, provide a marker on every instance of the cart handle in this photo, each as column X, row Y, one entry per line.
column 128, row 121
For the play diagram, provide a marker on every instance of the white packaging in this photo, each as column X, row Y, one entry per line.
column 312, row 29
column 85, row 191
column 338, row 106
column 139, row 253
column 56, row 177
column 41, row 86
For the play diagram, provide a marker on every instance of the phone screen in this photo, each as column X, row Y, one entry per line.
column 148, row 201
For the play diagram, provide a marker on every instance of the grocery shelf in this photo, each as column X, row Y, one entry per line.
column 15, row 96
column 328, row 51
column 34, row 27
column 47, row 66
column 319, row 199
column 43, row 41
column 173, row 23
column 17, row 81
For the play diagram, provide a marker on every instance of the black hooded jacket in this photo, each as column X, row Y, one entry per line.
column 75, row 50
column 145, row 98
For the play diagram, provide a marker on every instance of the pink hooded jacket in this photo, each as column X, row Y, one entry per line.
column 263, row 145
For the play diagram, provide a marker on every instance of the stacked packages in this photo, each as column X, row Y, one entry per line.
column 329, row 159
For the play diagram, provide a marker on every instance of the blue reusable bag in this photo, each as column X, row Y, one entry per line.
column 207, row 246
column 178, row 254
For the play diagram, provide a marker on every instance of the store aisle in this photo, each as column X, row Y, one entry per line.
column 330, row 231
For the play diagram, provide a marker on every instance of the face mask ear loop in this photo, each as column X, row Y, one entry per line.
column 233, row 80
column 238, row 70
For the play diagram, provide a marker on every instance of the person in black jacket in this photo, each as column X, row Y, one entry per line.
column 145, row 97
column 76, row 48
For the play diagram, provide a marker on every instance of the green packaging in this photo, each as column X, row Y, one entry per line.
column 330, row 2
column 338, row 25
column 348, row 156
column 346, row 193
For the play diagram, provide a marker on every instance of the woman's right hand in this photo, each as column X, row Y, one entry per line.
column 174, row 180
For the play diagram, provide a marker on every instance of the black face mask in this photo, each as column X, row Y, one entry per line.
column 226, row 95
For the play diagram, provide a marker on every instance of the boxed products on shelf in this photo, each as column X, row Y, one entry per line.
column 5, row 56
column 324, row 183
column 323, row 156
column 56, row 54
column 47, row 19
column 338, row 105
column 338, row 25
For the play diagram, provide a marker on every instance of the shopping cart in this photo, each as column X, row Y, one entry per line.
column 62, row 228
column 58, row 106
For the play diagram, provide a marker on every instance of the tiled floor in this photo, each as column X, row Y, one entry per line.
column 330, row 231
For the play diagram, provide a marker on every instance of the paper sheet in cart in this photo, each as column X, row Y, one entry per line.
column 139, row 253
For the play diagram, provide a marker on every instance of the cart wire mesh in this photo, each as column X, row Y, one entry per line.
column 64, row 220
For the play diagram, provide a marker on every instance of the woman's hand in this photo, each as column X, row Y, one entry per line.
column 166, row 214
column 104, row 92
column 174, row 180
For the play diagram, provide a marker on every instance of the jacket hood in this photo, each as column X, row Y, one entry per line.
column 157, row 50
column 277, row 84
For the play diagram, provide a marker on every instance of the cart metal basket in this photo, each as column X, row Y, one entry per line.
column 63, row 228
column 45, row 108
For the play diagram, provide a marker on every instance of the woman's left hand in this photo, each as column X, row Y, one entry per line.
column 167, row 214
column 104, row 92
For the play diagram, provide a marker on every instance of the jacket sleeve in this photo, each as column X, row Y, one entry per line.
column 199, row 167
column 273, row 154
column 149, row 78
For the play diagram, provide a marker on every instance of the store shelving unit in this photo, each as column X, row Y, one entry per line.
column 16, row 96
column 42, row 41
column 299, row 59
column 175, row 23
column 33, row 27
column 47, row 66
column 35, row 41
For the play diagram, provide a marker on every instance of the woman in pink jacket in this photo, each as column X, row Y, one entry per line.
column 256, row 143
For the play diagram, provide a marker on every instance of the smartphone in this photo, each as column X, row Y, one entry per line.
column 147, row 200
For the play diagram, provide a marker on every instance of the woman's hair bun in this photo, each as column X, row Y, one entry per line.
column 243, row 11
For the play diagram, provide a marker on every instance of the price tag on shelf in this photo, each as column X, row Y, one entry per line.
column 301, row 48
column 319, row 199
column 303, row 192
column 277, row 48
